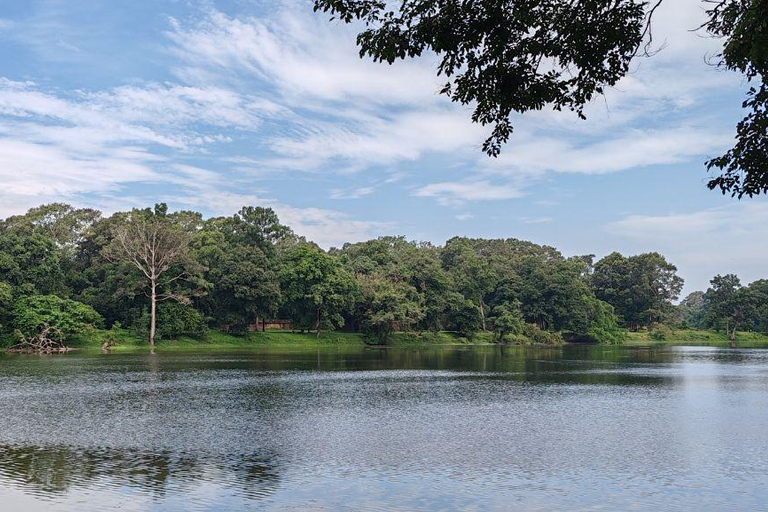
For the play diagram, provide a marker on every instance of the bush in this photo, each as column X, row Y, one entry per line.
column 173, row 320
column 507, row 319
column 538, row 336
column 68, row 316
column 606, row 335
column 604, row 327
column 660, row 332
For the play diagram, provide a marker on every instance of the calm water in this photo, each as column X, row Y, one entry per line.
column 577, row 428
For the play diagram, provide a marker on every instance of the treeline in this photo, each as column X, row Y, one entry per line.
column 166, row 274
column 727, row 306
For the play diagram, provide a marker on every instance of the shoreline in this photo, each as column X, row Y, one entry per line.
column 127, row 341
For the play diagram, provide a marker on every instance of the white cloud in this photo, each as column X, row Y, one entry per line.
column 354, row 193
column 330, row 228
column 302, row 56
column 381, row 140
column 153, row 113
column 536, row 220
column 458, row 192
column 348, row 114
column 703, row 243
column 81, row 143
column 632, row 149
column 94, row 147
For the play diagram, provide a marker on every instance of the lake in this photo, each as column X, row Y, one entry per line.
column 400, row 429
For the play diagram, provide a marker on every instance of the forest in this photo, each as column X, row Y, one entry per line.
column 67, row 271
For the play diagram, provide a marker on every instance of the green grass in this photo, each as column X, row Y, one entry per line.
column 695, row 337
column 404, row 339
column 128, row 341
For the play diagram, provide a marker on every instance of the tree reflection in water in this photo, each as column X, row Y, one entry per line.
column 53, row 470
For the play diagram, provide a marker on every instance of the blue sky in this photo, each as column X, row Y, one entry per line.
column 215, row 105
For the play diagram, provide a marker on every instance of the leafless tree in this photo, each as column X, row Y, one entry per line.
column 160, row 251
column 48, row 340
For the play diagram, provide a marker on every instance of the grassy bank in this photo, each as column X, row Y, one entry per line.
column 694, row 337
column 127, row 340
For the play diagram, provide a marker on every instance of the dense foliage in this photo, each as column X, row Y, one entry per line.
column 75, row 269
column 744, row 26
column 68, row 317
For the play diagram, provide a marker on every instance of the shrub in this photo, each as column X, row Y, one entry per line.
column 538, row 336
column 507, row 319
column 659, row 332
column 68, row 316
column 175, row 319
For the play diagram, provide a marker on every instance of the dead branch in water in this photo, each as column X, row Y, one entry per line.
column 48, row 341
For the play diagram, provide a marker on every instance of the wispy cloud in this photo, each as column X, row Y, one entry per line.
column 353, row 193
column 633, row 149
column 536, row 220
column 352, row 115
column 93, row 146
column 248, row 101
column 456, row 193
column 301, row 56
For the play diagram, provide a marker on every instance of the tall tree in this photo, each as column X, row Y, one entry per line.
column 691, row 311
column 641, row 288
column 469, row 263
column 386, row 306
column 159, row 250
column 64, row 224
column 759, row 293
column 507, row 319
column 30, row 263
column 394, row 267
column 241, row 254
column 317, row 289
column 255, row 226
column 729, row 305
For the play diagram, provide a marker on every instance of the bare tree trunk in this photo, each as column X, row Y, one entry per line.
column 152, row 316
column 733, row 337
column 482, row 314
column 317, row 325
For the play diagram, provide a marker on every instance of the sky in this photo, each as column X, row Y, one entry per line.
column 215, row 105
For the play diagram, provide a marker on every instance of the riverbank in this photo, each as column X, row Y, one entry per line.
column 126, row 340
column 693, row 337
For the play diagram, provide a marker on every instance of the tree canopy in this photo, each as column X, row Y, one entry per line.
column 642, row 288
column 743, row 24
column 238, row 272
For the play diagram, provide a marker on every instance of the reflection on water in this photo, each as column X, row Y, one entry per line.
column 52, row 470
column 437, row 428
